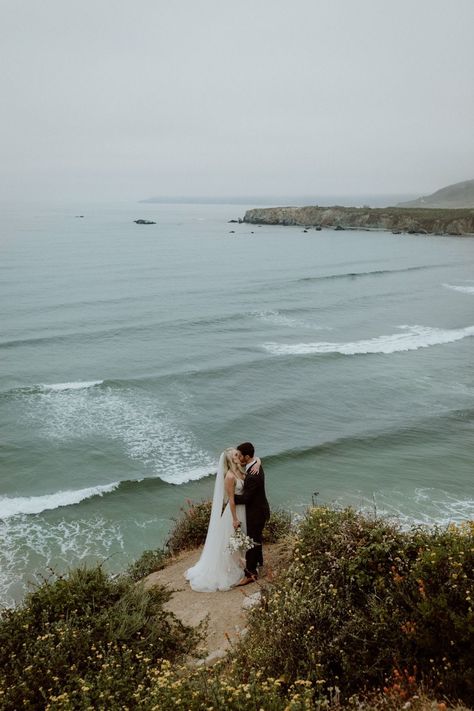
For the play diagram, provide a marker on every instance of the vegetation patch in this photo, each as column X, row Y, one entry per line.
column 149, row 562
column 190, row 528
column 364, row 605
column 364, row 616
column 86, row 640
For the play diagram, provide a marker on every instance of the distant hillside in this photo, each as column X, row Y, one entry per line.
column 458, row 195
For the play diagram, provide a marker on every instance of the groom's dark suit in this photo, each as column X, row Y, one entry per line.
column 257, row 513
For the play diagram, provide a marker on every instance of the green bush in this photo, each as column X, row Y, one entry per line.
column 218, row 688
column 190, row 529
column 149, row 562
column 87, row 637
column 277, row 527
column 363, row 602
column 364, row 616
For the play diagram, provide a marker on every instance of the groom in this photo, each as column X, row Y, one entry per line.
column 257, row 510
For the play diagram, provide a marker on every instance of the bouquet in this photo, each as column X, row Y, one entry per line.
column 239, row 542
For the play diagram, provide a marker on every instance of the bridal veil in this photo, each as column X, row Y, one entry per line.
column 217, row 568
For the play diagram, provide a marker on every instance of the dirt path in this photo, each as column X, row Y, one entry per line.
column 225, row 610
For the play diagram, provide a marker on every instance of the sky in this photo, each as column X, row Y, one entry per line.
column 122, row 100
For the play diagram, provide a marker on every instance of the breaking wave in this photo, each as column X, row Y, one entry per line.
column 462, row 289
column 410, row 338
column 72, row 386
column 26, row 505
column 14, row 506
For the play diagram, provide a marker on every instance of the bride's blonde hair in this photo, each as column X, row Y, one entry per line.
column 229, row 463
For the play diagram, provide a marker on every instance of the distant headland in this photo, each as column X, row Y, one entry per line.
column 396, row 219
column 449, row 211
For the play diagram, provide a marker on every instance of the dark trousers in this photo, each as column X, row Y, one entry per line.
column 254, row 556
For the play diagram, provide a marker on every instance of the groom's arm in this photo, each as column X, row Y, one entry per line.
column 252, row 484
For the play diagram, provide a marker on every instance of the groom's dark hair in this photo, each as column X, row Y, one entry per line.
column 247, row 449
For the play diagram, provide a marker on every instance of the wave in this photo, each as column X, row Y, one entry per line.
column 424, row 430
column 132, row 423
column 77, row 336
column 27, row 505
column 149, row 381
column 373, row 272
column 186, row 475
column 31, row 545
column 46, row 388
column 14, row 506
column 462, row 289
column 279, row 319
column 72, row 386
column 411, row 338
column 419, row 431
column 426, row 506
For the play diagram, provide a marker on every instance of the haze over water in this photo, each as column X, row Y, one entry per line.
column 132, row 355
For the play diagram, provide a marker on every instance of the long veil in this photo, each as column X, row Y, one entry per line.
column 215, row 569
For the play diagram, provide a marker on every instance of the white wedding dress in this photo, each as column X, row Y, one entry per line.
column 218, row 568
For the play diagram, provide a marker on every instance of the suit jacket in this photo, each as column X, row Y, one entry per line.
column 253, row 495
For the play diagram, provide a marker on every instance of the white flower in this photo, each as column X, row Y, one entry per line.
column 239, row 542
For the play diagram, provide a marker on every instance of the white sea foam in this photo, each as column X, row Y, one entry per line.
column 136, row 424
column 280, row 319
column 410, row 338
column 31, row 544
column 15, row 505
column 462, row 289
column 420, row 506
column 72, row 386
column 182, row 477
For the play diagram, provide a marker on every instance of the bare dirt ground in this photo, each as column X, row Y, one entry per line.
column 224, row 610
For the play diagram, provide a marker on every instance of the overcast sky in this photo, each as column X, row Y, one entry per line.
column 115, row 99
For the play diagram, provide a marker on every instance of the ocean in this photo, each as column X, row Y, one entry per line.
column 131, row 355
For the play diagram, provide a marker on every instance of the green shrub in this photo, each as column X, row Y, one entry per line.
column 88, row 637
column 218, row 688
column 190, row 528
column 148, row 562
column 362, row 601
column 364, row 616
column 277, row 527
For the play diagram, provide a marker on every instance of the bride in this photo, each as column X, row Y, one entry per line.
column 218, row 568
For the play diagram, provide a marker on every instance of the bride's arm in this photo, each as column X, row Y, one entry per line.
column 230, row 490
column 255, row 467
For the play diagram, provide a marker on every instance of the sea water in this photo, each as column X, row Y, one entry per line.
column 131, row 355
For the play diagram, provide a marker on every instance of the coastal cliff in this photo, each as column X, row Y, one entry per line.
column 396, row 219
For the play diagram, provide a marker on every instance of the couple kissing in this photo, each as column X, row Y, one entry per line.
column 239, row 502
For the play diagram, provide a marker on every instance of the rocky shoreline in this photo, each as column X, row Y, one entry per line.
column 453, row 222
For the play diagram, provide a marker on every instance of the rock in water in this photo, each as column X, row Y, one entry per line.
column 144, row 222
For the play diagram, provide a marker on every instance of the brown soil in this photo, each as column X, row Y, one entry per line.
column 223, row 610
